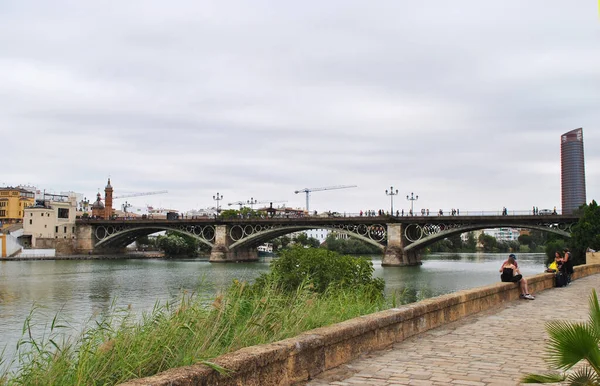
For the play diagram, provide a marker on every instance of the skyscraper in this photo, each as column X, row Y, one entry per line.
column 572, row 171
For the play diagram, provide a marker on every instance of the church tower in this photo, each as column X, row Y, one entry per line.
column 108, row 197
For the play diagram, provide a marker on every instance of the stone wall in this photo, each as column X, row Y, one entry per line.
column 303, row 357
column 592, row 257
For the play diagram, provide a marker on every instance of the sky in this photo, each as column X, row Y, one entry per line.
column 459, row 102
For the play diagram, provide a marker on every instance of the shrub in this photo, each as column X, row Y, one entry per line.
column 322, row 269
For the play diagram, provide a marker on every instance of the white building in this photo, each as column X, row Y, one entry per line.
column 504, row 234
column 49, row 220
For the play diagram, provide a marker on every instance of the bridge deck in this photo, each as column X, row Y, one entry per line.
column 495, row 347
column 462, row 219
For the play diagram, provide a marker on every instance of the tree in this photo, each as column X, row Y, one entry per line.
column 571, row 343
column 488, row 242
column 471, row 244
column 525, row 240
column 586, row 233
column 174, row 244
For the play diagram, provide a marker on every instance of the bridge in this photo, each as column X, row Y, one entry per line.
column 231, row 240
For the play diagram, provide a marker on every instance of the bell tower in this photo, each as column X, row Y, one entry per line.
column 108, row 197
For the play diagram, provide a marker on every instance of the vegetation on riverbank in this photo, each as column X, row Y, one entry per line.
column 119, row 345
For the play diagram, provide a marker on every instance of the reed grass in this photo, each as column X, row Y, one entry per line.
column 120, row 345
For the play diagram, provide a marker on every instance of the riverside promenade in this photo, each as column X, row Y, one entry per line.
column 494, row 347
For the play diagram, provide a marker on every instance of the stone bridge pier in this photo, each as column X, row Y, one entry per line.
column 394, row 254
column 221, row 253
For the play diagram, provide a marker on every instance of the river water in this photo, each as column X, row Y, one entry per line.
column 80, row 289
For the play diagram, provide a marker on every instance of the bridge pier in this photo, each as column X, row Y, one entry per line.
column 221, row 253
column 395, row 255
column 84, row 243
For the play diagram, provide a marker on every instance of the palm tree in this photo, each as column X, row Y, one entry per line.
column 571, row 343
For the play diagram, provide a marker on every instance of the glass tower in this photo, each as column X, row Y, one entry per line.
column 572, row 171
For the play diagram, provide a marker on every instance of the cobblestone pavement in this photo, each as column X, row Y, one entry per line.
column 495, row 347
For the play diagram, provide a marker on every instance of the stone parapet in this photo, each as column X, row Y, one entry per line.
column 303, row 357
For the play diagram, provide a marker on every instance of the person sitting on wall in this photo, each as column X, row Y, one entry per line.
column 557, row 264
column 510, row 273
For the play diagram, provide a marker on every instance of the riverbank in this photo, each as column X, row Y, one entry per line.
column 303, row 357
column 141, row 255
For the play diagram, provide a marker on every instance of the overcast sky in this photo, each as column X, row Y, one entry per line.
column 461, row 102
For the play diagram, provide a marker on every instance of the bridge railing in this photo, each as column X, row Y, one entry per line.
column 399, row 214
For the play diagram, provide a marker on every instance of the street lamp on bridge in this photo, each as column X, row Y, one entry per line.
column 412, row 198
column 391, row 193
column 251, row 202
column 218, row 198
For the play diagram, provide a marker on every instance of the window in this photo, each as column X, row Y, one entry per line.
column 30, row 214
column 3, row 204
column 30, row 222
column 2, row 213
column 45, row 225
column 65, row 230
column 56, row 229
column 73, row 231
column 63, row 213
column 41, row 214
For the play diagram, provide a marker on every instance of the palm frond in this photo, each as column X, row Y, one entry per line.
column 543, row 378
column 594, row 317
column 583, row 377
column 570, row 343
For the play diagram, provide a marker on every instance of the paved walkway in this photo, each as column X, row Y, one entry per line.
column 495, row 347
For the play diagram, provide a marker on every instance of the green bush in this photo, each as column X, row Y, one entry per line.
column 322, row 269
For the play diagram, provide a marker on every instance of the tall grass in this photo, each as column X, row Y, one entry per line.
column 120, row 345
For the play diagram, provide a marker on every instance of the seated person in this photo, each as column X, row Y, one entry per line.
column 510, row 273
column 557, row 264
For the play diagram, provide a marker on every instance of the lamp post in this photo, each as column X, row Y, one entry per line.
column 391, row 193
column 412, row 198
column 84, row 205
column 251, row 202
column 218, row 198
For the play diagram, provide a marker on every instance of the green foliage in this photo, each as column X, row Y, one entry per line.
column 305, row 241
column 229, row 214
column 525, row 240
column 120, row 346
column 571, row 343
column 145, row 243
column 350, row 246
column 553, row 246
column 322, row 269
column 173, row 244
column 488, row 242
column 281, row 243
column 586, row 233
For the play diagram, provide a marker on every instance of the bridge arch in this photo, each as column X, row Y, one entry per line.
column 265, row 235
column 120, row 238
column 430, row 239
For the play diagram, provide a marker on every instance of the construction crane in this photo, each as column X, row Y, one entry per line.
column 252, row 202
column 141, row 194
column 308, row 190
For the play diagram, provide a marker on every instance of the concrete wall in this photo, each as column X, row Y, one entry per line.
column 37, row 253
column 303, row 357
column 9, row 245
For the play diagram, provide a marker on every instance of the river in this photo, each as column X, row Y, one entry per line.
column 80, row 289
